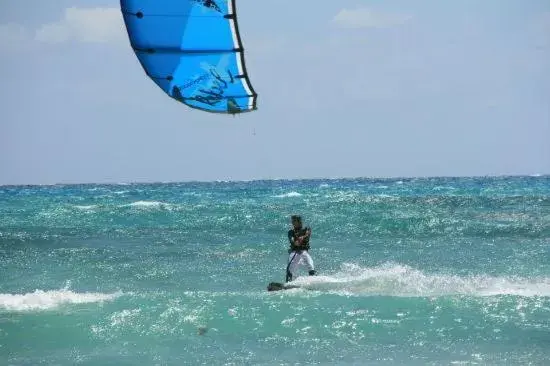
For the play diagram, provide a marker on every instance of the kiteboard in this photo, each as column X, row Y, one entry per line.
column 276, row 286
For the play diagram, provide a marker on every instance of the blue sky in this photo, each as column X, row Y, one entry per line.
column 346, row 89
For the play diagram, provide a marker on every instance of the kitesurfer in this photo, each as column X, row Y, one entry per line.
column 298, row 237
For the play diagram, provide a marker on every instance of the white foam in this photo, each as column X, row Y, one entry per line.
column 47, row 300
column 290, row 194
column 148, row 205
column 124, row 316
column 85, row 208
column 393, row 279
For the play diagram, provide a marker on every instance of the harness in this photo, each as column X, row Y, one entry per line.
column 293, row 234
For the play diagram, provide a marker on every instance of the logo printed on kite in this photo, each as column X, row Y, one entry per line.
column 211, row 4
column 190, row 83
column 215, row 94
column 212, row 96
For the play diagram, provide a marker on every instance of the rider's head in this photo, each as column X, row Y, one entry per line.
column 296, row 221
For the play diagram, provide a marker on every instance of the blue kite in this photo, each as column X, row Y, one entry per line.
column 193, row 51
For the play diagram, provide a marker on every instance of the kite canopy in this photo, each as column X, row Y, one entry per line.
column 192, row 50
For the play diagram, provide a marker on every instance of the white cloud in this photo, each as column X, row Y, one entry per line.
column 366, row 18
column 96, row 25
column 12, row 33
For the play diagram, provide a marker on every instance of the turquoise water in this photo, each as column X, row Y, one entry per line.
column 411, row 271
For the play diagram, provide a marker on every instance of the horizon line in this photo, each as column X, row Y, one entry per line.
column 191, row 181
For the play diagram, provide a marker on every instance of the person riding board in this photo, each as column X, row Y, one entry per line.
column 298, row 237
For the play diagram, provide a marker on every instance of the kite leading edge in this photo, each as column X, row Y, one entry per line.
column 193, row 51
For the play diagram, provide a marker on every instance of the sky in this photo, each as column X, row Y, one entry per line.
column 345, row 88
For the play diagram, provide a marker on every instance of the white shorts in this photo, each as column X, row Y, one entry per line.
column 296, row 259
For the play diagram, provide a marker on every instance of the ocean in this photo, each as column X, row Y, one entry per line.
column 410, row 271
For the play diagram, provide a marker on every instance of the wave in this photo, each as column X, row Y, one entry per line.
column 289, row 194
column 47, row 300
column 137, row 205
column 392, row 279
column 150, row 205
column 146, row 204
column 85, row 207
